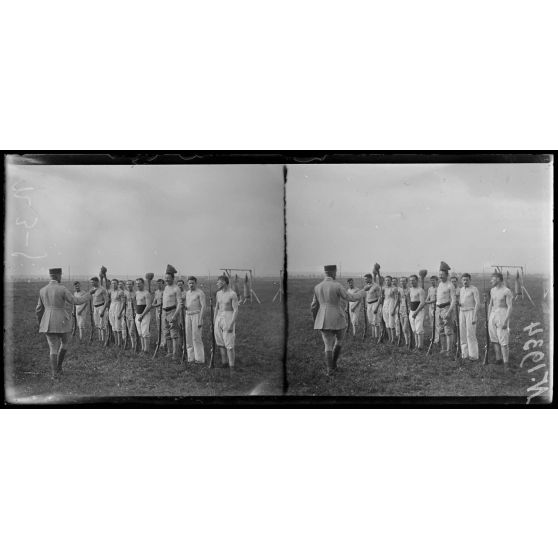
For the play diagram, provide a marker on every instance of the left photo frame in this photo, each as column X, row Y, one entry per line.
column 129, row 277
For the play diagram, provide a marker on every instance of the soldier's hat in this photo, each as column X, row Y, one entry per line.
column 55, row 271
column 330, row 268
column 171, row 270
column 444, row 266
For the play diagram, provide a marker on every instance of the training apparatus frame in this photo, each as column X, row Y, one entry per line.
column 228, row 271
column 280, row 293
column 501, row 268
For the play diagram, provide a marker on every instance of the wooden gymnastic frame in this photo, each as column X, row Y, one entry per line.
column 523, row 268
column 228, row 271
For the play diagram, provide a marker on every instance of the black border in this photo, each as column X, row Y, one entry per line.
column 281, row 157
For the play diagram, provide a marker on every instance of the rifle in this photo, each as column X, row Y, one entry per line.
column 160, row 328
column 74, row 321
column 365, row 308
column 458, row 356
column 183, row 329
column 91, row 319
column 126, row 332
column 485, row 359
column 408, row 305
column 134, row 322
column 109, row 327
column 212, row 355
column 433, row 328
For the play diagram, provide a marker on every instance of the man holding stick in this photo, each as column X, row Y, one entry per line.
column 328, row 310
column 445, row 304
column 171, row 313
column 54, row 317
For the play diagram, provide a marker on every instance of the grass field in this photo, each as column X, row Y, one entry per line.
column 366, row 368
column 93, row 371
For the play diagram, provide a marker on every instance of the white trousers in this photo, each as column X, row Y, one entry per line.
column 194, row 343
column 468, row 335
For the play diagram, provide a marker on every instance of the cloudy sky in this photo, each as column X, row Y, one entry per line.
column 408, row 217
column 134, row 219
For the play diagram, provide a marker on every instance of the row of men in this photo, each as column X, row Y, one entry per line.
column 129, row 310
column 397, row 307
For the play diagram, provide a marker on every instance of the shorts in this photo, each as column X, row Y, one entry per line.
column 355, row 316
column 495, row 331
column 168, row 328
column 143, row 326
column 222, row 336
column 388, row 318
column 374, row 318
column 444, row 320
column 83, row 318
column 100, row 323
column 417, row 324
column 332, row 337
column 115, row 322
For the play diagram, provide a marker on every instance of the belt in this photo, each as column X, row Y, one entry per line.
column 192, row 312
column 97, row 305
column 140, row 308
column 169, row 308
column 414, row 304
column 445, row 305
column 372, row 301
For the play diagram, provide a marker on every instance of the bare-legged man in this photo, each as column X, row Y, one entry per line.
column 417, row 300
column 499, row 312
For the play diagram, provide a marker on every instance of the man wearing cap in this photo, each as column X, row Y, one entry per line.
column 328, row 309
column 100, row 302
column 354, row 307
column 54, row 318
column 143, row 301
column 417, row 300
column 469, row 304
column 171, row 313
column 499, row 312
column 82, row 310
column 226, row 311
column 445, row 304
column 194, row 307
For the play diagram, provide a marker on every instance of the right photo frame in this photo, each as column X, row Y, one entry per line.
column 420, row 278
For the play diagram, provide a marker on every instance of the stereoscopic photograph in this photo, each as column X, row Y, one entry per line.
column 421, row 280
column 167, row 277
column 141, row 280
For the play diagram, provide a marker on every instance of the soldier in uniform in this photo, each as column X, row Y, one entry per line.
column 328, row 309
column 499, row 312
column 54, row 318
column 226, row 311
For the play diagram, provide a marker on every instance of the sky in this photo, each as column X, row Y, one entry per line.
column 410, row 217
column 138, row 219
